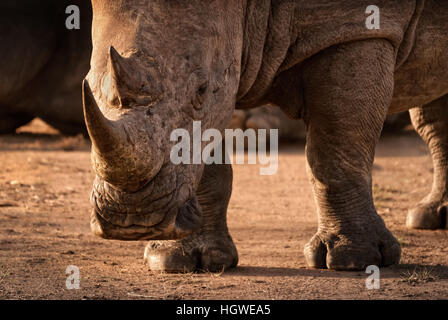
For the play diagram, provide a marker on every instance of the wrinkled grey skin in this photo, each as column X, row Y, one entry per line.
column 158, row 65
column 42, row 64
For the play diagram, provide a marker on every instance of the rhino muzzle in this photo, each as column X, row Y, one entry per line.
column 174, row 222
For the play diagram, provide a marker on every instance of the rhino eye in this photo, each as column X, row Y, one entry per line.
column 202, row 88
column 199, row 99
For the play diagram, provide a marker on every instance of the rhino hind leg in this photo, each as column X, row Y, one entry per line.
column 348, row 89
column 9, row 123
column 211, row 248
column 431, row 123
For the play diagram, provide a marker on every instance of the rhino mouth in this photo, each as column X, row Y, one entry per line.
column 139, row 216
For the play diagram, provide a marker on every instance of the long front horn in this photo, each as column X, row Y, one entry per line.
column 109, row 154
column 115, row 157
column 104, row 135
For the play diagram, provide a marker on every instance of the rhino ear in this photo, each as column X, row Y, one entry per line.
column 122, row 70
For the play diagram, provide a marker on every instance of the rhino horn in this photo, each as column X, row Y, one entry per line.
column 104, row 135
column 122, row 70
column 112, row 159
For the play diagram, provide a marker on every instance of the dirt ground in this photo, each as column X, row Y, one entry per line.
column 45, row 181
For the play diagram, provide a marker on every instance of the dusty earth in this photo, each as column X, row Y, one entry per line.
column 45, row 181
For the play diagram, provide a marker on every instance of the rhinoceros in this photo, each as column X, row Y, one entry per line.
column 160, row 65
column 42, row 64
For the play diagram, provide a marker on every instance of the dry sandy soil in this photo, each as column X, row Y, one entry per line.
column 45, row 180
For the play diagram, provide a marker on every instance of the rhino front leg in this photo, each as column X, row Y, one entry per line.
column 431, row 123
column 348, row 89
column 211, row 248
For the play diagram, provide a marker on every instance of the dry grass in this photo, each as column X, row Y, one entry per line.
column 3, row 273
column 403, row 242
column 418, row 276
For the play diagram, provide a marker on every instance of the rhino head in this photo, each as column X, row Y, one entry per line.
column 156, row 66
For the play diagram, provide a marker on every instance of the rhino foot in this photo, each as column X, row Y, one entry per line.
column 195, row 253
column 352, row 252
column 432, row 215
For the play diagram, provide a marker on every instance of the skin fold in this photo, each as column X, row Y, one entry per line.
column 159, row 65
